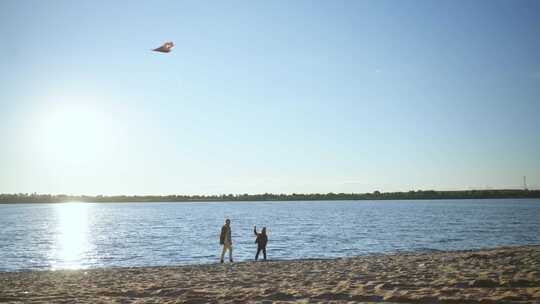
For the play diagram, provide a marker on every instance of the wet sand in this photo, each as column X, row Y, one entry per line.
column 502, row 275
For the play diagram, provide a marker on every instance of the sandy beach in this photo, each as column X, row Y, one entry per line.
column 501, row 275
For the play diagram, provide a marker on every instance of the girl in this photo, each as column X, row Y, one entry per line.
column 261, row 241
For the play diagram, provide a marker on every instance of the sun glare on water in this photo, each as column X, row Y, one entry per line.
column 72, row 243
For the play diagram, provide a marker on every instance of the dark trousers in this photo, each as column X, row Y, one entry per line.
column 259, row 249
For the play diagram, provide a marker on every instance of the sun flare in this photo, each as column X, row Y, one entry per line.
column 74, row 134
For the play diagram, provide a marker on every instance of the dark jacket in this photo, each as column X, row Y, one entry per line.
column 224, row 231
column 261, row 240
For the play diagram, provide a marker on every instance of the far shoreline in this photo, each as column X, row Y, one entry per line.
column 262, row 201
column 25, row 198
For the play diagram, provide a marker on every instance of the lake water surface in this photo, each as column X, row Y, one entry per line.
column 89, row 235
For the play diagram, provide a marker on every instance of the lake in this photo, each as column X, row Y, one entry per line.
column 91, row 235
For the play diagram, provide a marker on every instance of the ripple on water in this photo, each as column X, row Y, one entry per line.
column 49, row 236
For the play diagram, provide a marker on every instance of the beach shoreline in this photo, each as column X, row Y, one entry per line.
column 498, row 275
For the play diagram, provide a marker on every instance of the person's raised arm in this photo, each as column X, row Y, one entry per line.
column 255, row 230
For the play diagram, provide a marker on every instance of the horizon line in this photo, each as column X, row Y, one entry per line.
column 264, row 193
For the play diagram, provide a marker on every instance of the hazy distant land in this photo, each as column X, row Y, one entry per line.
column 376, row 195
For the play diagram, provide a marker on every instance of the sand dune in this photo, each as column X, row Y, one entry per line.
column 503, row 275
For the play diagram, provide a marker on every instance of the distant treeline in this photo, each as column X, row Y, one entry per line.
column 376, row 195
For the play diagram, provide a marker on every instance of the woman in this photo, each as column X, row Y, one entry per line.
column 261, row 241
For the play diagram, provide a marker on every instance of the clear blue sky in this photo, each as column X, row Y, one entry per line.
column 277, row 96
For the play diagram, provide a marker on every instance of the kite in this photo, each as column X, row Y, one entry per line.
column 165, row 48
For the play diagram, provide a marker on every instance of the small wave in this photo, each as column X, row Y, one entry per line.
column 428, row 250
column 448, row 240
